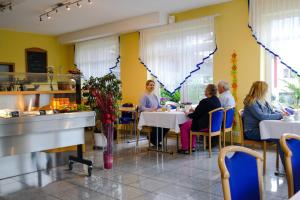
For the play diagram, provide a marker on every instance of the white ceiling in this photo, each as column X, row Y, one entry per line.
column 25, row 14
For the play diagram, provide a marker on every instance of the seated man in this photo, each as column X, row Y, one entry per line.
column 225, row 96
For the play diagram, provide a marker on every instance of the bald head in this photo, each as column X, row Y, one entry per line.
column 223, row 86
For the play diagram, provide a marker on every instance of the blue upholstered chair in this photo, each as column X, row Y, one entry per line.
column 290, row 144
column 126, row 121
column 214, row 129
column 241, row 173
column 228, row 123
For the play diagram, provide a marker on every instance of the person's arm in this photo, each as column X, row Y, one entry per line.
column 200, row 110
column 258, row 114
column 158, row 103
column 143, row 104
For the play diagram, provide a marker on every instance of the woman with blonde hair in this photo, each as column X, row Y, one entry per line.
column 256, row 109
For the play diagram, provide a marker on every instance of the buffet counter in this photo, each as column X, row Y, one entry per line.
column 21, row 136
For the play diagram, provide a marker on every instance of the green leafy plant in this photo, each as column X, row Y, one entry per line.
column 103, row 95
column 294, row 90
column 166, row 96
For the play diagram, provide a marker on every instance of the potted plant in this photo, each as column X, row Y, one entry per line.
column 103, row 96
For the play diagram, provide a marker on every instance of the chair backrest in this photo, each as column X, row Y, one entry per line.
column 241, row 125
column 290, row 144
column 241, row 173
column 127, row 115
column 228, row 117
column 215, row 120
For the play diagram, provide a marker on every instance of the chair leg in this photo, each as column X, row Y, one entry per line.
column 231, row 137
column 131, row 131
column 118, row 133
column 220, row 143
column 137, row 137
column 209, row 146
column 204, row 142
column 277, row 158
column 149, row 134
column 224, row 138
column 191, row 142
column 265, row 157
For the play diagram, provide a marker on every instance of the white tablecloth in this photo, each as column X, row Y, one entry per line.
column 169, row 120
column 273, row 129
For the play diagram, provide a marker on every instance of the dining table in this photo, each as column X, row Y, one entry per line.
column 167, row 119
column 274, row 129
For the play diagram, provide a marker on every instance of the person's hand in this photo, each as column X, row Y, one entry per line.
column 153, row 110
column 191, row 110
column 284, row 113
column 186, row 113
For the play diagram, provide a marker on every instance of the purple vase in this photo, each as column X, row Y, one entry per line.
column 108, row 153
column 108, row 160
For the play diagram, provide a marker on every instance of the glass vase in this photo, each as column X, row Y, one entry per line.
column 108, row 153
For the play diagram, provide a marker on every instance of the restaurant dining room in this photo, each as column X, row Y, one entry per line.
column 149, row 99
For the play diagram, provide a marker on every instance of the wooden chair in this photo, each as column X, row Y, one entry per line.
column 262, row 143
column 290, row 144
column 214, row 129
column 228, row 123
column 241, row 173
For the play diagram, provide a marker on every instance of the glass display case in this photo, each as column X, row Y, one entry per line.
column 38, row 83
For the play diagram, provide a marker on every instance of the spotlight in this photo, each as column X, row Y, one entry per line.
column 10, row 7
column 54, row 9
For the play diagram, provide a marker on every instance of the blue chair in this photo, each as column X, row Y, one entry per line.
column 228, row 123
column 241, row 173
column 126, row 121
column 290, row 144
column 214, row 129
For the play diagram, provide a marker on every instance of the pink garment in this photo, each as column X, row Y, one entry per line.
column 185, row 129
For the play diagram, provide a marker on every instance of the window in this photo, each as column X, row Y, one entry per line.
column 172, row 52
column 279, row 77
column 193, row 89
column 98, row 57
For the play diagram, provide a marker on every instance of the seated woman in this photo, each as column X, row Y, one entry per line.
column 200, row 117
column 256, row 109
column 149, row 102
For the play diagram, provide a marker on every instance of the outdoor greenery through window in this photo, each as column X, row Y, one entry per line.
column 192, row 91
column 284, row 85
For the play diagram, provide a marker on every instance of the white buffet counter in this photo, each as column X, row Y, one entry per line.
column 21, row 136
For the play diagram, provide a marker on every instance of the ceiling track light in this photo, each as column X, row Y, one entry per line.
column 55, row 8
column 5, row 6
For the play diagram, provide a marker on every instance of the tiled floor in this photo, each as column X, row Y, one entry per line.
column 137, row 174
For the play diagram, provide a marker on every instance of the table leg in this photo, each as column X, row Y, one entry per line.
column 81, row 160
column 162, row 148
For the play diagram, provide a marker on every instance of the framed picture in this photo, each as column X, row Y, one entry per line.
column 36, row 62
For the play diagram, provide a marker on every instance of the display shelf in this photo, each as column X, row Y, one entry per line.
column 37, row 92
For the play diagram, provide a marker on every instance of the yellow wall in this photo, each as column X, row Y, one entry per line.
column 13, row 45
column 133, row 74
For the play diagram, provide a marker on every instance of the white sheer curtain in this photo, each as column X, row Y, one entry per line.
column 172, row 52
column 276, row 26
column 97, row 57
